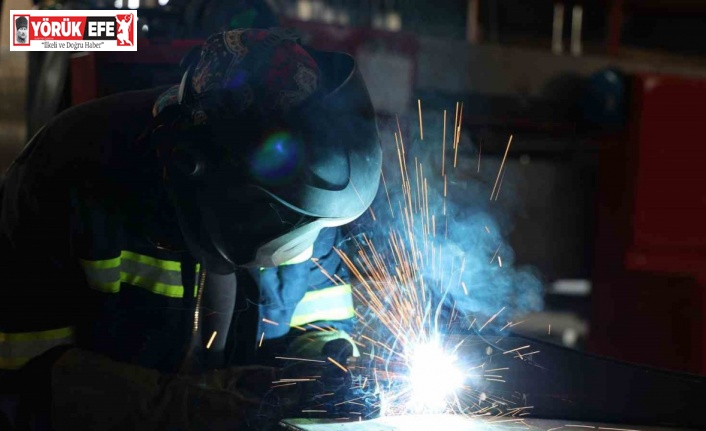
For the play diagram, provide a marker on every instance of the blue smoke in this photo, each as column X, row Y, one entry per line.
column 476, row 274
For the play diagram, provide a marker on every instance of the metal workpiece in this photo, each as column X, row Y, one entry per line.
column 449, row 422
column 510, row 380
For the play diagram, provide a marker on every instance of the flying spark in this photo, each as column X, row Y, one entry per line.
column 401, row 283
column 213, row 337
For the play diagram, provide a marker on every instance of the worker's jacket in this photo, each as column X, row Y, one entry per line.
column 81, row 264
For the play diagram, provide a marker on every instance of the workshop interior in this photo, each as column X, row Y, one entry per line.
column 561, row 138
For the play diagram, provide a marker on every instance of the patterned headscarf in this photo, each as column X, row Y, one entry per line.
column 246, row 69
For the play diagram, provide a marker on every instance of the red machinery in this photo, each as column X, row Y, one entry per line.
column 649, row 297
column 90, row 71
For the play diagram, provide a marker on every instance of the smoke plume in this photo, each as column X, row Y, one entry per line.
column 463, row 256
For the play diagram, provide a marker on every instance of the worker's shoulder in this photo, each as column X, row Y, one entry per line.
column 89, row 128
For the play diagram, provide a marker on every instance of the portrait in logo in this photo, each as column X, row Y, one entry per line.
column 125, row 30
column 21, row 30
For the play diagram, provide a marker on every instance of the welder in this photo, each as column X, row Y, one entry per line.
column 161, row 247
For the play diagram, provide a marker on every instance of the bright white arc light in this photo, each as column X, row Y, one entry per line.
column 434, row 377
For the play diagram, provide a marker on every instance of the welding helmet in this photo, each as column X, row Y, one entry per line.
column 279, row 143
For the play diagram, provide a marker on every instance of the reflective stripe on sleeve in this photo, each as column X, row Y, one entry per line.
column 331, row 303
column 157, row 276
column 154, row 286
column 302, row 257
column 168, row 265
column 161, row 277
column 16, row 349
column 103, row 275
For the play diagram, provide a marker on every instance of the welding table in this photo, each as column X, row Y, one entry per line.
column 562, row 386
column 456, row 423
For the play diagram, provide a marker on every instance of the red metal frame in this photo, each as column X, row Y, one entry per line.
column 649, row 297
column 615, row 26
column 84, row 85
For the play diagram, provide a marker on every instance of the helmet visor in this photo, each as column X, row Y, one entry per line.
column 254, row 230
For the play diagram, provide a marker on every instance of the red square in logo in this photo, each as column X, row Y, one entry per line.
column 125, row 30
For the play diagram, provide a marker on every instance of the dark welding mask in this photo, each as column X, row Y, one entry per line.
column 263, row 200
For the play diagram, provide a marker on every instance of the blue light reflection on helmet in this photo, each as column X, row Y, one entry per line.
column 277, row 158
column 237, row 80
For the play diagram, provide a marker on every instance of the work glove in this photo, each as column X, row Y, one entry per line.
column 326, row 386
column 93, row 392
column 315, row 344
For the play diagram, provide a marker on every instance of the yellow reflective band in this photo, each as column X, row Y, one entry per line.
column 327, row 293
column 330, row 314
column 12, row 363
column 110, row 287
column 332, row 303
column 162, row 277
column 146, row 260
column 101, row 264
column 51, row 334
column 102, row 275
column 19, row 347
column 170, row 290
column 302, row 257
column 198, row 279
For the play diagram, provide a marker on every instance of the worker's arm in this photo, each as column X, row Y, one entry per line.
column 84, row 390
column 37, row 311
column 42, row 290
column 328, row 301
column 303, row 296
column 43, row 297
